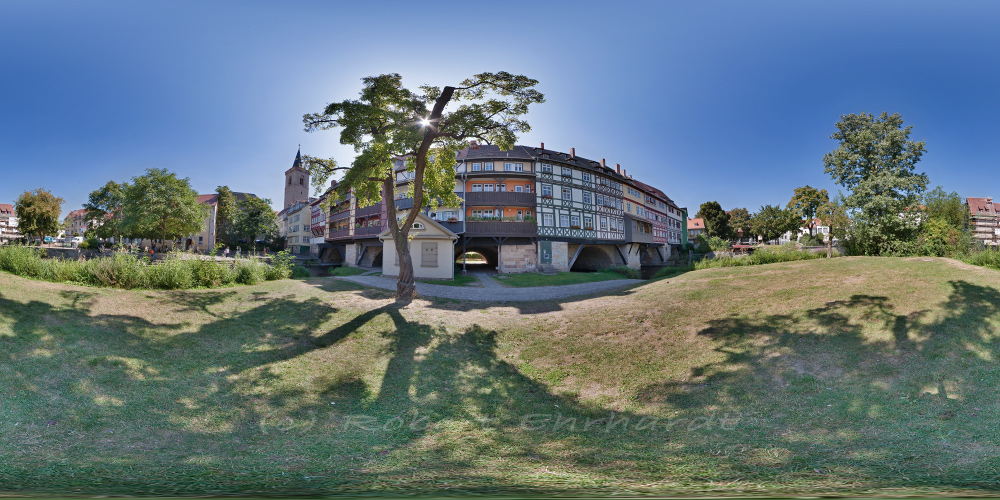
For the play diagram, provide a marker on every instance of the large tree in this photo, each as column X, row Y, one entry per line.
column 388, row 121
column 833, row 214
column 739, row 220
column 254, row 219
column 107, row 206
column 771, row 221
column 875, row 161
column 805, row 201
column 225, row 211
column 38, row 213
column 159, row 205
column 945, row 206
column 716, row 220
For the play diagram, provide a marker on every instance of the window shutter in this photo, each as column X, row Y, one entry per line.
column 428, row 254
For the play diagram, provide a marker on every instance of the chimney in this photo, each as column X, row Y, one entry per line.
column 618, row 168
column 543, row 146
column 623, row 173
column 572, row 152
column 602, row 163
column 473, row 143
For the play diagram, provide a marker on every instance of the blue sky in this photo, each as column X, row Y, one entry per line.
column 726, row 101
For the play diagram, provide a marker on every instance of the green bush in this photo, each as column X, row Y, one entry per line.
column 625, row 271
column 717, row 244
column 668, row 272
column 299, row 272
column 281, row 266
column 765, row 255
column 133, row 270
column 988, row 257
column 345, row 271
column 250, row 271
column 171, row 273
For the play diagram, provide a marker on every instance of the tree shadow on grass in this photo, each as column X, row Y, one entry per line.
column 286, row 395
column 854, row 393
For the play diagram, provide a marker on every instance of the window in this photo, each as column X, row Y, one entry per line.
column 518, row 189
column 574, row 221
column 502, row 187
column 301, row 180
column 600, row 199
column 567, row 193
column 417, row 225
column 546, row 168
column 563, row 221
column 527, row 188
column 289, row 181
column 588, row 222
column 520, row 215
column 586, row 176
column 587, row 198
column 477, row 167
column 604, row 223
column 488, row 166
column 513, row 167
column 488, row 187
column 428, row 254
column 476, row 188
column 614, row 224
column 547, row 220
column 568, row 172
column 628, row 206
column 546, row 190
column 200, row 239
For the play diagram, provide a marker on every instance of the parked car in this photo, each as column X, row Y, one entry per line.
column 76, row 240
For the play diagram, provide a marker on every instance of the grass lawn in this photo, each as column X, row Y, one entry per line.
column 861, row 376
column 346, row 271
column 460, row 280
column 562, row 278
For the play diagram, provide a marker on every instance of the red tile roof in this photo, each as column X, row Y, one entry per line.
column 78, row 214
column 207, row 198
column 6, row 209
column 698, row 223
column 982, row 206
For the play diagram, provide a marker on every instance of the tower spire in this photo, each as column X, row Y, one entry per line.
column 298, row 158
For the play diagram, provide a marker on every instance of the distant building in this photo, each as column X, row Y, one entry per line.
column 8, row 223
column 76, row 223
column 695, row 227
column 984, row 220
column 205, row 240
column 296, row 182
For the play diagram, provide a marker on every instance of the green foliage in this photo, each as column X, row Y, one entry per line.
column 250, row 271
column 772, row 221
column 38, row 212
column 716, row 220
column 107, row 205
column 717, row 244
column 254, row 219
column 131, row 270
column 281, row 264
column 345, row 271
column 875, row 161
column 764, row 255
column 700, row 244
column 805, row 202
column 90, row 243
column 939, row 238
column 225, row 212
column 811, row 241
column 947, row 207
column 159, row 205
column 739, row 218
column 987, row 257
column 299, row 272
column 625, row 271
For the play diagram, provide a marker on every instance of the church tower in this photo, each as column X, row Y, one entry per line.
column 296, row 182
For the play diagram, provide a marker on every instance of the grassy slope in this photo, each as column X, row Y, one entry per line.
column 561, row 278
column 850, row 375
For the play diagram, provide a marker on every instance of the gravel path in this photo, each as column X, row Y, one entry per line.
column 496, row 293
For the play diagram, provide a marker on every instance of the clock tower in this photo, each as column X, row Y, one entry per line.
column 296, row 182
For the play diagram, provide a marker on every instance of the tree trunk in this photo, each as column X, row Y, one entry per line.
column 405, row 285
column 829, row 245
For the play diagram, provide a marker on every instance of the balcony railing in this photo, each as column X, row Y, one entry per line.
column 500, row 198
column 360, row 232
column 340, row 215
column 500, row 228
column 372, row 210
column 341, row 234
